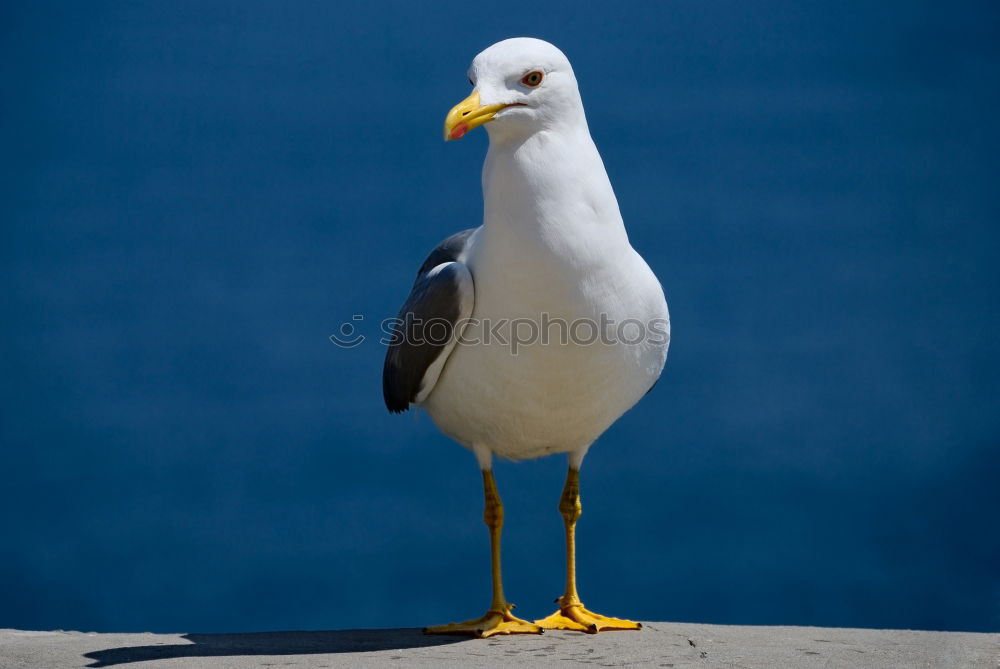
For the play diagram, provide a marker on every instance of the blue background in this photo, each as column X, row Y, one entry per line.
column 196, row 195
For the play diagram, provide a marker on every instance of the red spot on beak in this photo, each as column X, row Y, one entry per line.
column 458, row 131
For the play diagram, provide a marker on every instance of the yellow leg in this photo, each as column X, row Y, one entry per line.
column 498, row 620
column 571, row 614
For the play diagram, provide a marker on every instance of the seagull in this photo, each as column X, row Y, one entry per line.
column 533, row 333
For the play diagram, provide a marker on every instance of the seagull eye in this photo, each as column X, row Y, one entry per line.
column 471, row 82
column 532, row 79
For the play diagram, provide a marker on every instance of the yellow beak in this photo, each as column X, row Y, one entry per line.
column 466, row 115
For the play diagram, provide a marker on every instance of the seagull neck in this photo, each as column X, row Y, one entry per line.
column 553, row 177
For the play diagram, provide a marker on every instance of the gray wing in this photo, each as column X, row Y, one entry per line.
column 423, row 335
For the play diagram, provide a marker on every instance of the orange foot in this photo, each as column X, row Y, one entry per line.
column 494, row 622
column 574, row 617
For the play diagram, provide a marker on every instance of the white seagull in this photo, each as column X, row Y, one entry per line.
column 534, row 332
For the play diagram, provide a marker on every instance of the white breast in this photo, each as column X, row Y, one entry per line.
column 554, row 395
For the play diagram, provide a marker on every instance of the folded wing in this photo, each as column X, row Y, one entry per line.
column 425, row 331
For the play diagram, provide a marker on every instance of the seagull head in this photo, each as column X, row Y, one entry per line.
column 520, row 86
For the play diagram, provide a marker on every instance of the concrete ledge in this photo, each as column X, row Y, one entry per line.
column 658, row 645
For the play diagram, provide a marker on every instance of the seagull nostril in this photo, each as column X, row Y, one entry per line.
column 465, row 113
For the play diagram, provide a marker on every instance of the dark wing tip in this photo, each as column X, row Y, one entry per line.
column 393, row 392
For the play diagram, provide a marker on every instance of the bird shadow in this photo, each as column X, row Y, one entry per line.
column 273, row 643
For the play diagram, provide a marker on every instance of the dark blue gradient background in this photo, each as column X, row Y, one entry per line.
column 196, row 195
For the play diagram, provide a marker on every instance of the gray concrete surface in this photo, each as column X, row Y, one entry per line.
column 658, row 645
